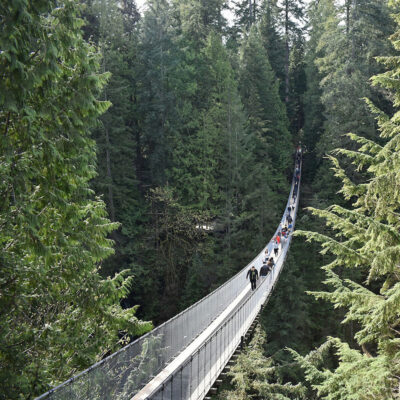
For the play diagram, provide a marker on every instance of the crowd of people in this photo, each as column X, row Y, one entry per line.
column 285, row 230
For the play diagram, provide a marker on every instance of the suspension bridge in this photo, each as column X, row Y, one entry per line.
column 183, row 358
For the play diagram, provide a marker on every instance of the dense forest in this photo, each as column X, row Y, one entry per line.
column 146, row 157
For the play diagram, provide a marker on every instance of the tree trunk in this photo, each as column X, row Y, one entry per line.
column 108, row 160
column 250, row 13
column 287, row 51
column 109, row 178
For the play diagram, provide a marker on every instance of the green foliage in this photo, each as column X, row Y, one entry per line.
column 313, row 107
column 198, row 18
column 268, row 143
column 58, row 315
column 260, row 94
column 116, row 134
column 255, row 376
column 270, row 29
column 365, row 238
column 177, row 238
column 344, row 41
column 358, row 376
column 157, row 76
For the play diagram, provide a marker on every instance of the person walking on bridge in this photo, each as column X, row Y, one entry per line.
column 295, row 189
column 266, row 256
column 271, row 263
column 277, row 243
column 284, row 235
column 253, row 274
column 265, row 270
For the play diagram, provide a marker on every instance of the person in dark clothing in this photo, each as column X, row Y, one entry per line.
column 265, row 270
column 295, row 189
column 253, row 274
column 289, row 219
column 271, row 263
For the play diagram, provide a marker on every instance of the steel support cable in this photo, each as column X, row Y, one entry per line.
column 125, row 372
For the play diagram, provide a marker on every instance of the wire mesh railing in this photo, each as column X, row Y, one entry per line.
column 121, row 375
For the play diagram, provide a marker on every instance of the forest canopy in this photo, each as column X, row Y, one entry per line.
column 122, row 132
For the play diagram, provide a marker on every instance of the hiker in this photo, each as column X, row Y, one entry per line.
column 298, row 152
column 276, row 249
column 284, row 233
column 253, row 274
column 297, row 176
column 296, row 188
column 266, row 256
column 289, row 219
column 265, row 270
column 271, row 263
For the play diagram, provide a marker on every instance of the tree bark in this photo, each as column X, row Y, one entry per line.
column 108, row 161
column 287, row 52
column 109, row 178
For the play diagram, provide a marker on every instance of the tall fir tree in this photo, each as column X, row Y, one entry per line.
column 58, row 315
column 268, row 142
column 365, row 239
column 291, row 14
column 348, row 42
column 159, row 62
column 273, row 41
column 313, row 107
column 116, row 135
column 256, row 376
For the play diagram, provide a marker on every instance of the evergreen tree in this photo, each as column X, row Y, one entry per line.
column 313, row 107
column 246, row 13
column 347, row 62
column 116, row 135
column 283, row 38
column 366, row 239
column 208, row 157
column 267, row 143
column 291, row 15
column 273, row 41
column 259, row 90
column 297, row 87
column 176, row 241
column 159, row 62
column 345, row 68
column 199, row 18
column 58, row 315
column 255, row 376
